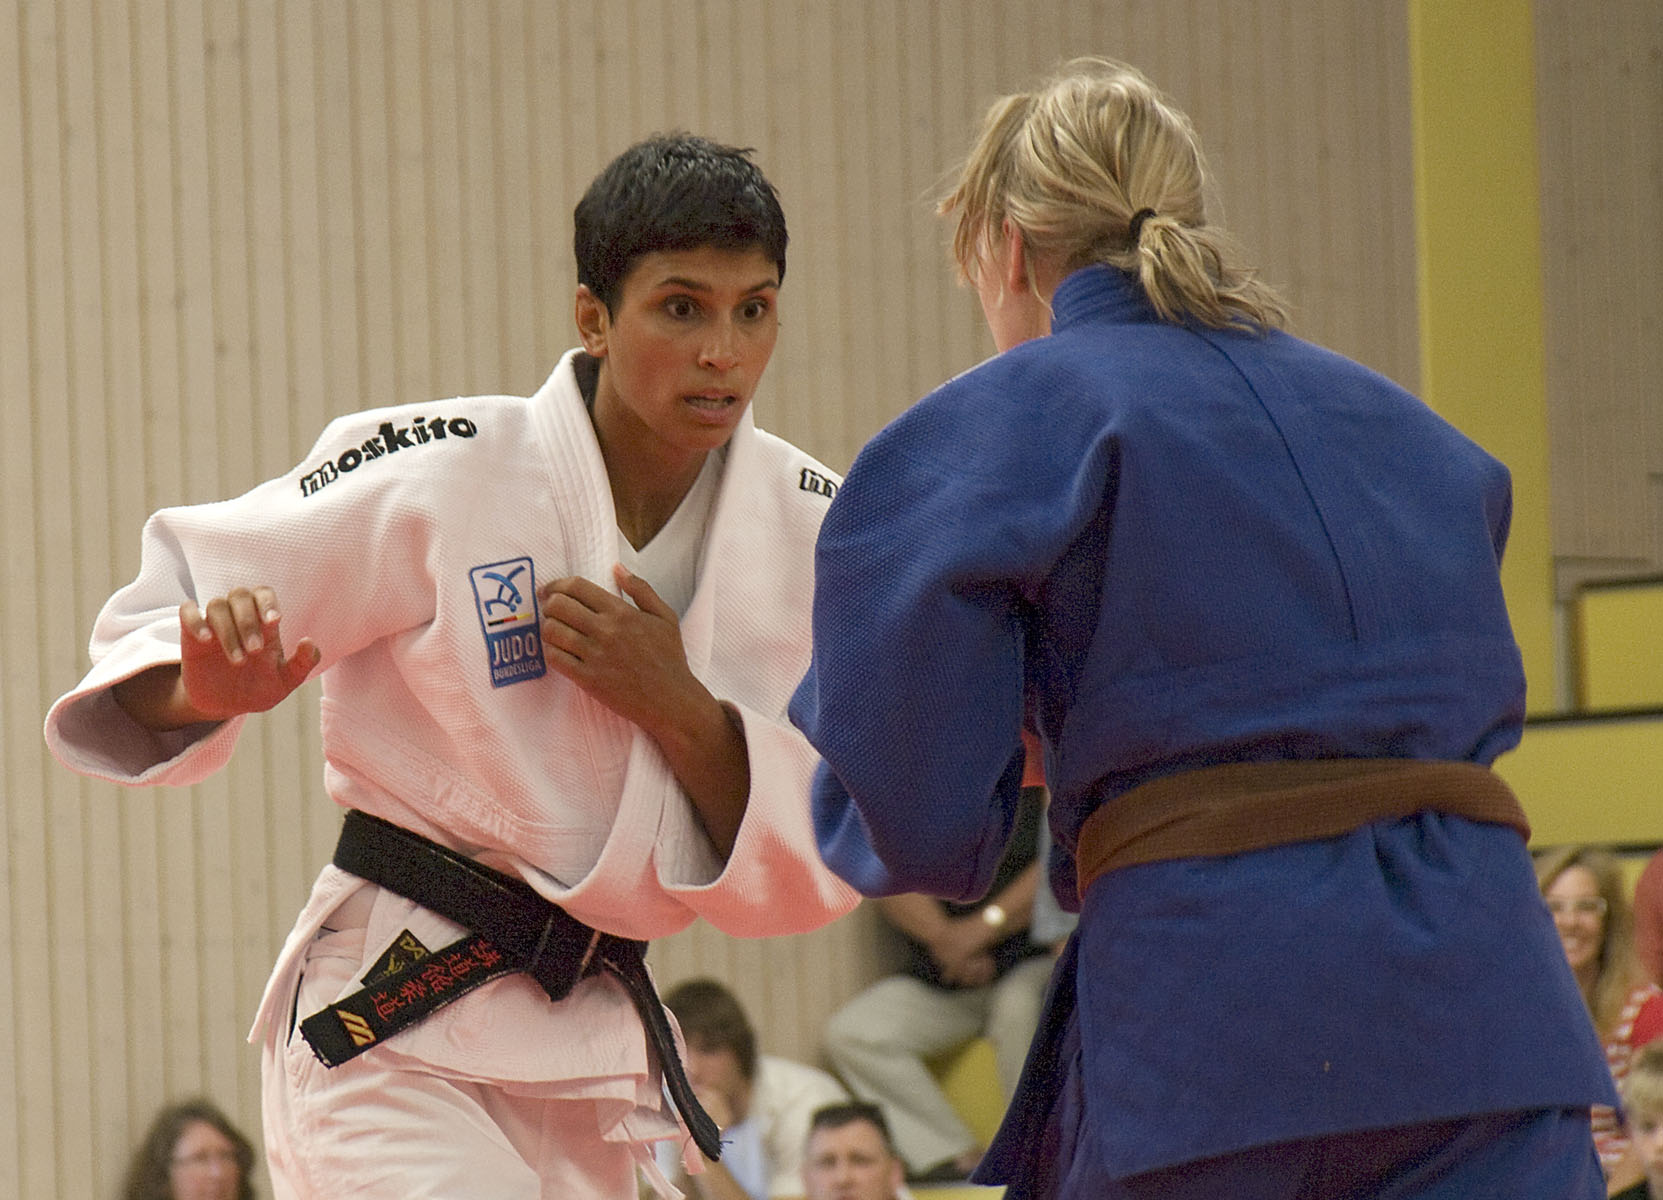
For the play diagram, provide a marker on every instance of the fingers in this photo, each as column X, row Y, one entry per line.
column 584, row 592
column 624, row 650
column 567, row 620
column 577, row 613
column 596, row 599
column 241, row 621
column 193, row 627
column 640, row 591
column 244, row 622
column 301, row 663
column 231, row 655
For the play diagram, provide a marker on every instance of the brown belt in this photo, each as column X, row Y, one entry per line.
column 1239, row 807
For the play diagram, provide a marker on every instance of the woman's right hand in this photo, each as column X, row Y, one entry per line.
column 231, row 662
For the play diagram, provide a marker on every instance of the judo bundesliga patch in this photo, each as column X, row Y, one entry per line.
column 505, row 597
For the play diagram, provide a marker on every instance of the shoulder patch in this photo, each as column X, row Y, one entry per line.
column 389, row 439
column 810, row 480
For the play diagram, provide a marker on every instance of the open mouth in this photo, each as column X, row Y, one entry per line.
column 713, row 403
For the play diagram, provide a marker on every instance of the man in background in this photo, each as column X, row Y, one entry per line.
column 761, row 1103
column 850, row 1156
column 972, row 970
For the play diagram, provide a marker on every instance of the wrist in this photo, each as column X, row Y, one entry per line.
column 157, row 699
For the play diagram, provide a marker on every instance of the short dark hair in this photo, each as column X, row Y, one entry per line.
column 836, row 1116
column 674, row 191
column 711, row 1018
column 148, row 1175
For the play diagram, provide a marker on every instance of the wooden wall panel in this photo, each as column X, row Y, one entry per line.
column 1600, row 118
column 223, row 222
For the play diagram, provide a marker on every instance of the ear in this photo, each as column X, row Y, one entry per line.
column 1016, row 258
column 593, row 321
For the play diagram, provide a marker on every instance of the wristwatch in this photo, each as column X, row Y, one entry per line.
column 995, row 916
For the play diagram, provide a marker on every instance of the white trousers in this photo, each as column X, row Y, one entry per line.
column 374, row 1133
column 879, row 1041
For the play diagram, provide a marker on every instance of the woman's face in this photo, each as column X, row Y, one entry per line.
column 1579, row 915
column 204, row 1165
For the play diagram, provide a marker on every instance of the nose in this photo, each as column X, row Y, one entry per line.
column 721, row 347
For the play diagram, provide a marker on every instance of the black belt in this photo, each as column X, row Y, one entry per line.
column 512, row 928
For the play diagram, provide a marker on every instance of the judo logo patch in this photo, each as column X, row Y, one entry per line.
column 505, row 596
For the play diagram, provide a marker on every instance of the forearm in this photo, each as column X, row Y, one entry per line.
column 920, row 917
column 704, row 744
column 156, row 699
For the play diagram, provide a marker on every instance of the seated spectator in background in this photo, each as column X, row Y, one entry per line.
column 850, row 1155
column 761, row 1103
column 1648, row 918
column 1584, row 890
column 1643, row 1118
column 191, row 1152
column 973, row 969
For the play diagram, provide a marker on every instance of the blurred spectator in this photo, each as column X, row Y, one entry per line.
column 761, row 1103
column 1585, row 892
column 191, row 1152
column 1648, row 918
column 1643, row 1117
column 850, row 1155
column 974, row 970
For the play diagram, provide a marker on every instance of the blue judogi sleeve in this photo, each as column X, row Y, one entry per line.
column 930, row 571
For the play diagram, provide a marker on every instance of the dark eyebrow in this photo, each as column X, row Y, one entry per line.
column 694, row 285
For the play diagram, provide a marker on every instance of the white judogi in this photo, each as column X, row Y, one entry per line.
column 407, row 546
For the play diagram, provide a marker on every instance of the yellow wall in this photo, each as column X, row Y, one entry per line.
column 1590, row 780
column 1619, row 646
column 1478, row 234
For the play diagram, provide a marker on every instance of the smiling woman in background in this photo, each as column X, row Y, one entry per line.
column 191, row 1152
column 1584, row 890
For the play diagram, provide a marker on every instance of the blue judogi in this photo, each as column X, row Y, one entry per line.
column 1170, row 548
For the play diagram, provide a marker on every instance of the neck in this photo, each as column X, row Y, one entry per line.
column 646, row 499
column 648, row 479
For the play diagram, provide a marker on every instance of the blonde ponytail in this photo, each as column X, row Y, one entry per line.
column 1076, row 163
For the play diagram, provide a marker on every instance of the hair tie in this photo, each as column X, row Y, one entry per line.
column 1135, row 228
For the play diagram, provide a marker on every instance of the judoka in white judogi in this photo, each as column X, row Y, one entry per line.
column 439, row 713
